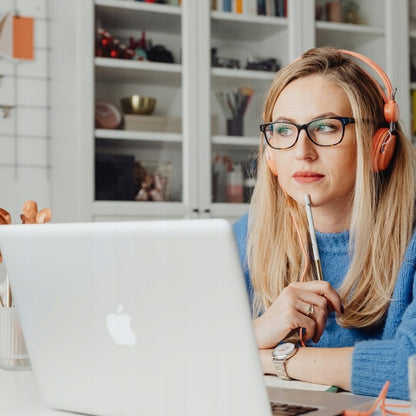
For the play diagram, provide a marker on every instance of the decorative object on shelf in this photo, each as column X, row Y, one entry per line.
column 234, row 104
column 234, row 190
column 137, row 104
column 269, row 65
column 13, row 351
column 140, row 47
column 152, row 180
column 108, row 46
column 107, row 115
column 221, row 166
column 17, row 37
column 223, row 62
column 351, row 12
column 159, row 53
column 114, row 177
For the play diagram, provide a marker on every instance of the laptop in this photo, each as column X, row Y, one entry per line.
column 142, row 318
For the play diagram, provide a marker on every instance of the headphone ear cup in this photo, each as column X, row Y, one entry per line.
column 271, row 163
column 382, row 155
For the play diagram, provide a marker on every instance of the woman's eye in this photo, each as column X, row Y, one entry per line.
column 283, row 130
column 325, row 127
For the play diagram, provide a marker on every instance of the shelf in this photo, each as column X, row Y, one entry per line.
column 141, row 136
column 243, row 27
column 121, row 14
column 242, row 74
column 123, row 70
column 349, row 28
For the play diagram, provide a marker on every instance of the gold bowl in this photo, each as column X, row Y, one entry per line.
column 136, row 104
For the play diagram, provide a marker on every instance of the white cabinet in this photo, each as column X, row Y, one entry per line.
column 185, row 90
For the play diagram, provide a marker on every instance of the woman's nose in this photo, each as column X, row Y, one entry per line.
column 305, row 148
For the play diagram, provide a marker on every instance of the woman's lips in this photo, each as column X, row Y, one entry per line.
column 307, row 177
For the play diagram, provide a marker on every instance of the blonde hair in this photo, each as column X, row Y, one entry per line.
column 382, row 206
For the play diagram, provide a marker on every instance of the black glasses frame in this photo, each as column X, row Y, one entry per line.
column 300, row 127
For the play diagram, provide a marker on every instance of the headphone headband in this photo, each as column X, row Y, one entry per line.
column 379, row 71
column 391, row 109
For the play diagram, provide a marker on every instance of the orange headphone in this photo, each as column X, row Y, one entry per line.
column 384, row 140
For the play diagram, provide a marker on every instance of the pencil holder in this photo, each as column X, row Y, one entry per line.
column 235, row 126
column 13, row 352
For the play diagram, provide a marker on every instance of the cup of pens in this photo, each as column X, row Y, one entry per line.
column 13, row 351
column 234, row 104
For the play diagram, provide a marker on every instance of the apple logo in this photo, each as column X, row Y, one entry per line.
column 118, row 326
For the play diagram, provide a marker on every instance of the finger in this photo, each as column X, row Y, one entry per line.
column 304, row 325
column 43, row 216
column 5, row 217
column 319, row 315
column 29, row 211
column 325, row 290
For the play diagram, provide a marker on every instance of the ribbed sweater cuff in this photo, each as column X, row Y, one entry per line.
column 375, row 362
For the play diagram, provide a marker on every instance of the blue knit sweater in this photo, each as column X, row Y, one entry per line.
column 380, row 354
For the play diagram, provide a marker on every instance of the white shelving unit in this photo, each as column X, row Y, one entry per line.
column 186, row 90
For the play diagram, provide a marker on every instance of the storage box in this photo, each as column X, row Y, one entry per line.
column 159, row 124
column 152, row 123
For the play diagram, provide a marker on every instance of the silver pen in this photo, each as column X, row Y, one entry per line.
column 313, row 238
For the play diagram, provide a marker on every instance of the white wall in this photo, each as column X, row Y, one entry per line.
column 24, row 134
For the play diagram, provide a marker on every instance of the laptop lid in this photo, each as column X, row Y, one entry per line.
column 136, row 318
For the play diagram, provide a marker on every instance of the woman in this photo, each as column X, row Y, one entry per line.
column 322, row 116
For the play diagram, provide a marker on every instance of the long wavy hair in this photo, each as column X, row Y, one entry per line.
column 382, row 208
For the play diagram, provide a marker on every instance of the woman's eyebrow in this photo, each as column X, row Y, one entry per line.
column 292, row 120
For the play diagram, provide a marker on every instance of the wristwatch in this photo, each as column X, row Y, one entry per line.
column 281, row 354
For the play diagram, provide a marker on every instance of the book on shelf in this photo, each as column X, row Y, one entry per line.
column 252, row 7
column 237, row 6
column 227, row 6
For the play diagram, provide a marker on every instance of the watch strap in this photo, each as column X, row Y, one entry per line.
column 280, row 365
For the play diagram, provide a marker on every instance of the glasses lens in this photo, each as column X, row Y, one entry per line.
column 281, row 135
column 326, row 131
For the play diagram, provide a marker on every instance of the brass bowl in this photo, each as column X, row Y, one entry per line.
column 136, row 104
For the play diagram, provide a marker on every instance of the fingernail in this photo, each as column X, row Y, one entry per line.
column 342, row 308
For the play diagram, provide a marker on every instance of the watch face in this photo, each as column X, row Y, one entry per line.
column 283, row 350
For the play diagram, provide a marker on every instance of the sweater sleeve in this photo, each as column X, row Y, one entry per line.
column 240, row 228
column 376, row 361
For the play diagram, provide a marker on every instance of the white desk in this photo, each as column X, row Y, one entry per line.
column 19, row 396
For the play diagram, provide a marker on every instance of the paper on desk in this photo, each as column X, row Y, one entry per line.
column 273, row 381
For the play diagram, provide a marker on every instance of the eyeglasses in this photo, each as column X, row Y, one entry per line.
column 324, row 131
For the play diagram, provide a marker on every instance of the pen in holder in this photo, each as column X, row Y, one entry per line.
column 234, row 104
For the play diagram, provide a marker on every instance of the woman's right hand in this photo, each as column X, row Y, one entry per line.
column 292, row 310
